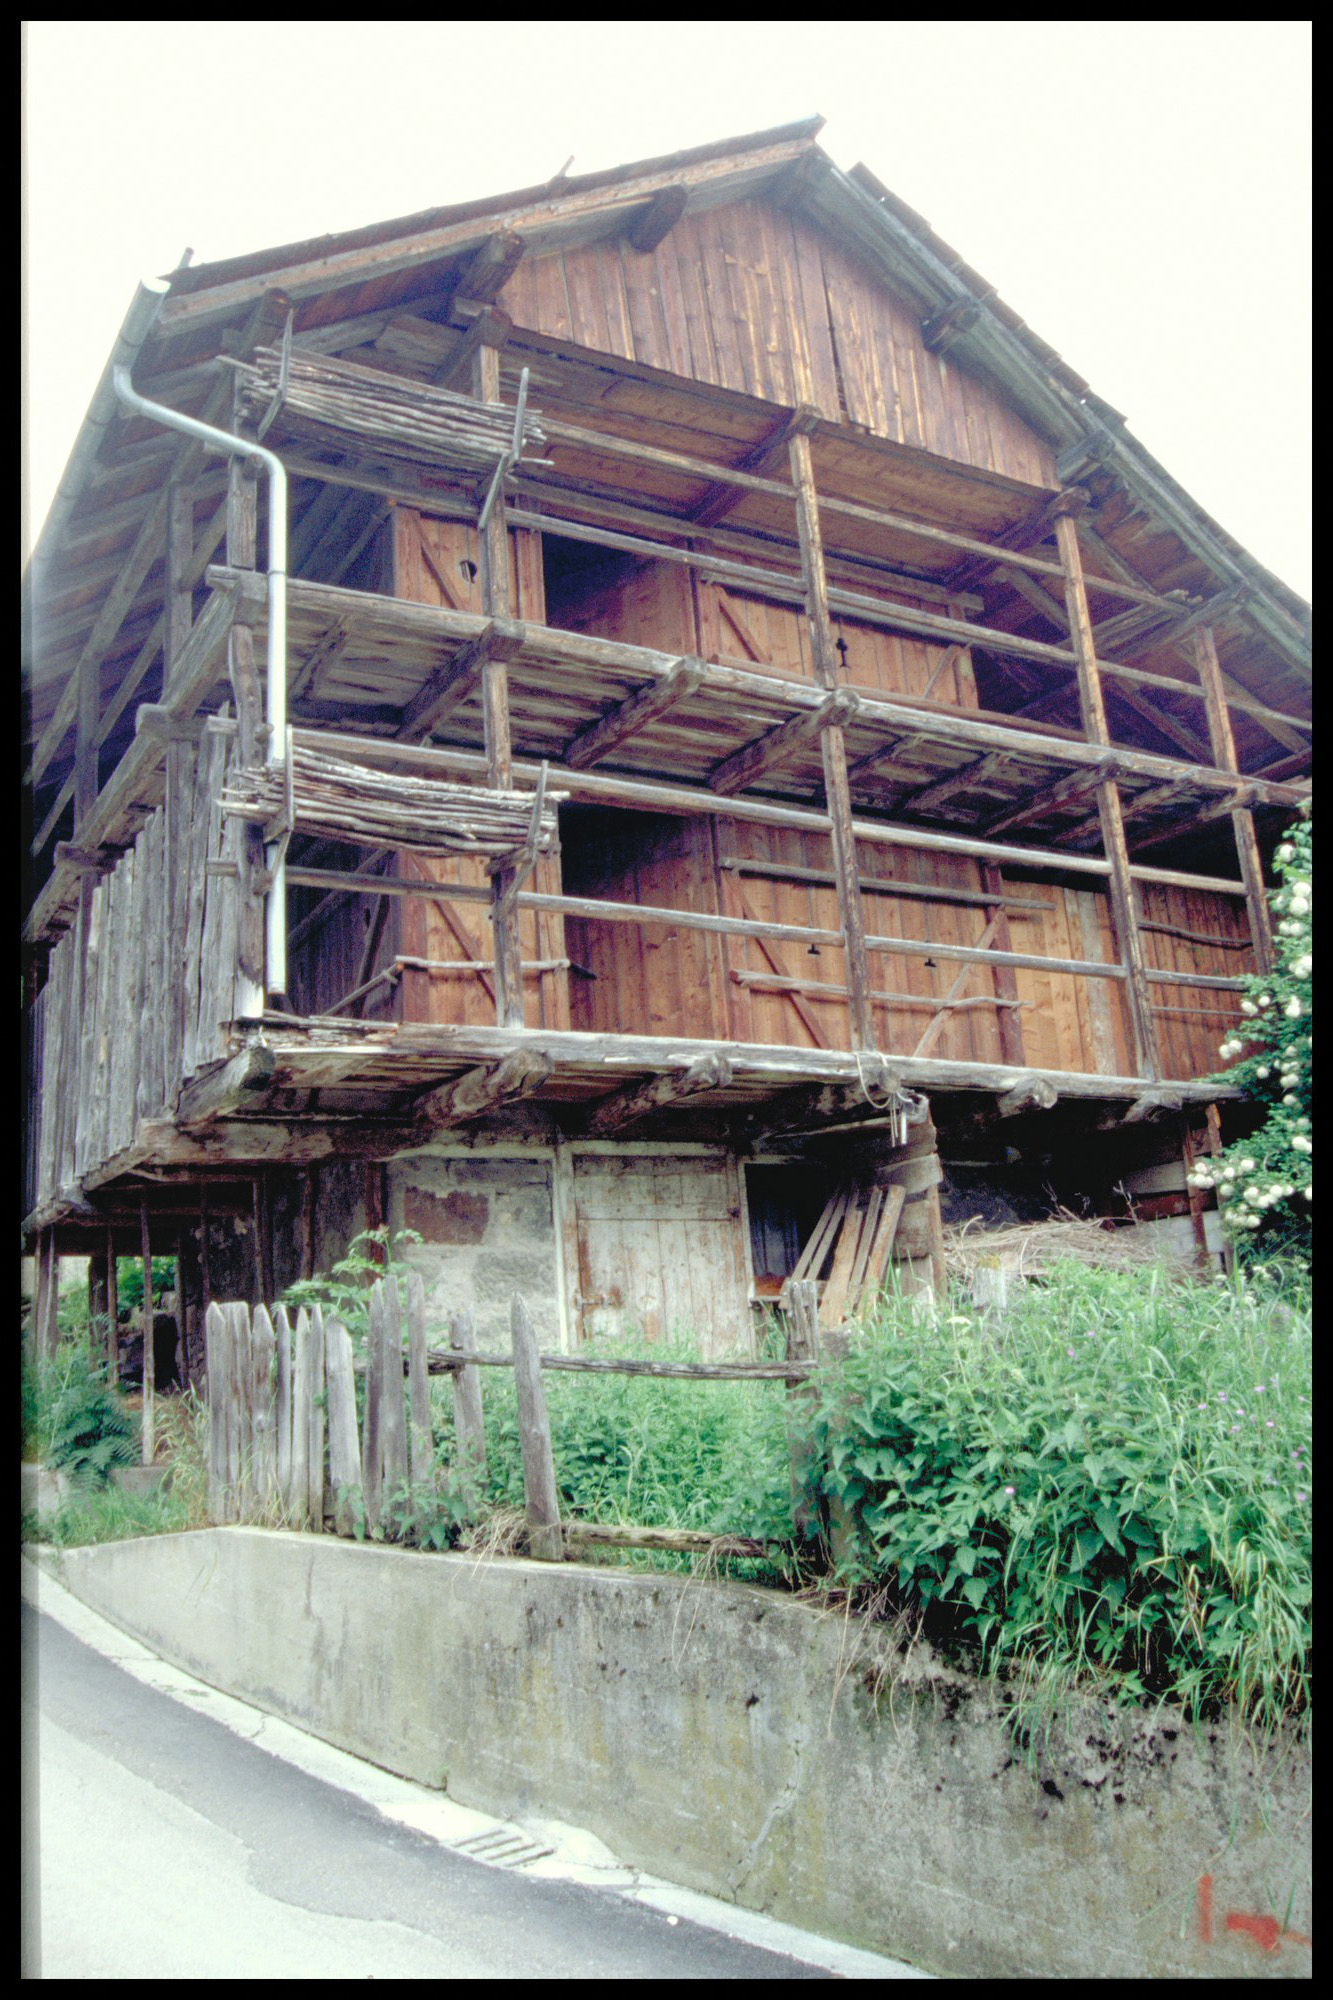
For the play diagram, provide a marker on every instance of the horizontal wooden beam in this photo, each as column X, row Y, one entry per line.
column 655, row 222
column 776, row 746
column 232, row 1086
column 625, row 1107
column 483, row 1089
column 600, row 738
column 458, row 679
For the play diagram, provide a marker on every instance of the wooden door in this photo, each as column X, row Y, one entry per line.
column 661, row 1249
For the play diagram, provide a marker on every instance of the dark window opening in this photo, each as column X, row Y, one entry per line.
column 785, row 1204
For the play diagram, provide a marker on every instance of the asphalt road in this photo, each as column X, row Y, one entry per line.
column 159, row 1843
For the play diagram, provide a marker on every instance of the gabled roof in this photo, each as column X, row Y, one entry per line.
column 426, row 261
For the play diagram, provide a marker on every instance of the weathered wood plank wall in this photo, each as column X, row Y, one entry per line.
column 136, row 1005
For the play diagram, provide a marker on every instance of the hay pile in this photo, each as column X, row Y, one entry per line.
column 1029, row 1249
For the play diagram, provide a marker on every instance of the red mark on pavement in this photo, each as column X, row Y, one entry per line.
column 1206, row 1908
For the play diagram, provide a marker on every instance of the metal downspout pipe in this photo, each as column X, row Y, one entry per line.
column 275, row 904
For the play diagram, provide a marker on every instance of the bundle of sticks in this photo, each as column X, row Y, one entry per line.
column 386, row 808
column 411, row 419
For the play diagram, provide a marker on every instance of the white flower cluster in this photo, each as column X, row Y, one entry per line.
column 1245, row 1205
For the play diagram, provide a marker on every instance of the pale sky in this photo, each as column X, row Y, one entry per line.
column 1138, row 192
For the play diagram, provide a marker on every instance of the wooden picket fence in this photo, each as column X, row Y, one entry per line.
column 284, row 1443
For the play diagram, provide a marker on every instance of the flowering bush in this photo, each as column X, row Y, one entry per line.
column 1263, row 1184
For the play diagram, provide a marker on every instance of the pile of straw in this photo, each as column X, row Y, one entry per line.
column 1029, row 1249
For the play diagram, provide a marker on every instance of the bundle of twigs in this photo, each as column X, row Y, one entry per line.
column 411, row 419
column 385, row 808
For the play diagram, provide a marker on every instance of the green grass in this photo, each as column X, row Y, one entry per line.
column 1112, row 1487
column 649, row 1451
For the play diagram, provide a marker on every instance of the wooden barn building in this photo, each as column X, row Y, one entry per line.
column 675, row 730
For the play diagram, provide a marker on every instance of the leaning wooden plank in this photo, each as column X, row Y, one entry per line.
column 315, row 1429
column 833, row 1304
column 856, row 1277
column 541, row 1493
column 262, row 1359
column 421, row 1450
column 217, row 1364
column 393, row 1407
column 879, row 1252
column 297, row 1484
column 811, row 1260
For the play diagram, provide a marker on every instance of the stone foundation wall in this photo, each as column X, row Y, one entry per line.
column 486, row 1232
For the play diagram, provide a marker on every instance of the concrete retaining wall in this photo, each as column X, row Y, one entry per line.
column 731, row 1740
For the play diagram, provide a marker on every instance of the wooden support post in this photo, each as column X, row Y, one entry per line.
column 1124, row 904
column 309, row 1198
column 217, row 1334
column 541, row 1493
column 182, row 1319
column 1242, row 819
column 257, row 1225
column 205, row 1267
column 149, row 1346
column 833, row 744
column 497, row 592
column 242, row 536
column 112, row 1311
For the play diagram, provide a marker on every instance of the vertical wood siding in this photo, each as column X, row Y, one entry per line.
column 748, row 298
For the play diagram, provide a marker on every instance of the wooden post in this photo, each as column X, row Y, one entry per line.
column 112, row 1311
column 497, row 598
column 837, row 1345
column 542, row 1495
column 205, row 1270
column 182, row 1320
column 1124, row 905
column 216, row 1367
column 262, row 1405
column 802, row 1345
column 393, row 1405
column 309, row 1191
column 285, row 1403
column 420, row 1441
column 242, row 535
column 469, row 1427
column 1242, row 819
column 239, row 1440
column 372, row 1427
column 149, row 1346
column 315, row 1422
column 833, row 746
column 344, row 1456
